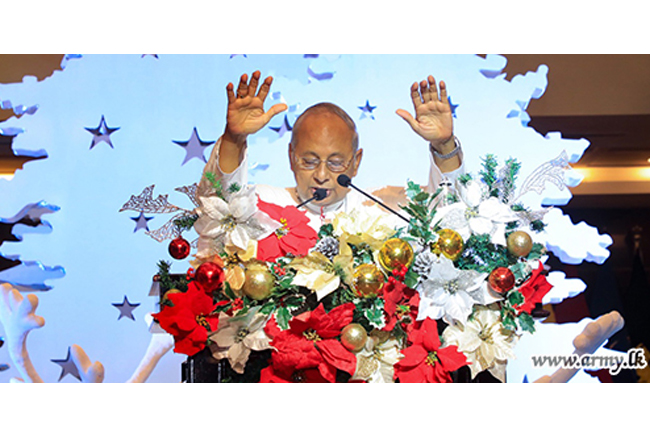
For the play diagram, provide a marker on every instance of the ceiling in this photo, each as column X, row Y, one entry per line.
column 603, row 98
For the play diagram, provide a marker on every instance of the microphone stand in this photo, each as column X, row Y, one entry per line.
column 345, row 181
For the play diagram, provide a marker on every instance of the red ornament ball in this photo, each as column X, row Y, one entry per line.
column 209, row 276
column 179, row 248
column 501, row 280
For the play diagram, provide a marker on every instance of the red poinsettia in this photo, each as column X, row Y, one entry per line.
column 534, row 290
column 424, row 360
column 189, row 319
column 311, row 342
column 295, row 236
column 399, row 300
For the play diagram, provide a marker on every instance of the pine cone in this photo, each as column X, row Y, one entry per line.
column 422, row 263
column 327, row 246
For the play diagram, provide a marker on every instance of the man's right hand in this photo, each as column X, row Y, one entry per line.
column 246, row 113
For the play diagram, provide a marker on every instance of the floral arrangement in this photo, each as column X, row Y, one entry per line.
column 362, row 299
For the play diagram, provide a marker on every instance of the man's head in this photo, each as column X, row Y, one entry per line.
column 324, row 144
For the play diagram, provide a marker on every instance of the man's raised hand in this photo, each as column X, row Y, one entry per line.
column 246, row 113
column 433, row 118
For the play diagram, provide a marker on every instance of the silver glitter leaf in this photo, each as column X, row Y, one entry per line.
column 146, row 203
column 551, row 171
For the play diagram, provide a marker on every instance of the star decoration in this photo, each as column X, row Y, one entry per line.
column 366, row 111
column 453, row 106
column 284, row 128
column 101, row 133
column 126, row 309
column 67, row 367
column 194, row 147
column 141, row 222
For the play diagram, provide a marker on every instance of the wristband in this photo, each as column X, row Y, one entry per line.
column 450, row 154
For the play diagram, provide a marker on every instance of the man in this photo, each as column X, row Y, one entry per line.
column 324, row 145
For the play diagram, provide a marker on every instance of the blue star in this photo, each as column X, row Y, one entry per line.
column 67, row 367
column 101, row 133
column 126, row 309
column 453, row 107
column 141, row 222
column 284, row 128
column 194, row 147
column 366, row 111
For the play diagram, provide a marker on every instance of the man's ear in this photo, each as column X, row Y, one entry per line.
column 290, row 158
column 357, row 161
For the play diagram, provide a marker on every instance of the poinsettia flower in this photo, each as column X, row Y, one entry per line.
column 448, row 293
column 477, row 214
column 310, row 375
column 189, row 319
column 399, row 300
column 364, row 225
column 321, row 275
column 484, row 340
column 425, row 361
column 295, row 236
column 534, row 289
column 375, row 362
column 235, row 222
column 312, row 342
column 237, row 336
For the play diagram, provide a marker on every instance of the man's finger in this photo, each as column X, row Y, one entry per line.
column 409, row 119
column 230, row 93
column 252, row 87
column 415, row 96
column 264, row 89
column 424, row 90
column 443, row 93
column 276, row 109
column 242, row 89
column 433, row 89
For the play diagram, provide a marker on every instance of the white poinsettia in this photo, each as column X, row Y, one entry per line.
column 237, row 336
column 449, row 293
column 376, row 361
column 235, row 222
column 365, row 224
column 484, row 340
column 477, row 214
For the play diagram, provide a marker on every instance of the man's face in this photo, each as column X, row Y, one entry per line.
column 323, row 137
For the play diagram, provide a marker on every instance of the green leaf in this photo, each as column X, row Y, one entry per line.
column 325, row 230
column 228, row 290
column 411, row 279
column 283, row 316
column 515, row 297
column 526, row 322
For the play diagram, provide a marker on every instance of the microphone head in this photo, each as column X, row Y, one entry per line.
column 320, row 194
column 344, row 180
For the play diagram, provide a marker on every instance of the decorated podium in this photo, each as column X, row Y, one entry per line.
column 442, row 296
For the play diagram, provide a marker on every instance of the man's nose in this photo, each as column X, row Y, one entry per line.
column 321, row 174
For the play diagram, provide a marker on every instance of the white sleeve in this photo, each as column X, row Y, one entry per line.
column 239, row 175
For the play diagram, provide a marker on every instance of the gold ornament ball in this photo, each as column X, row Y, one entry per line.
column 354, row 337
column 395, row 253
column 520, row 244
column 450, row 244
column 368, row 279
column 258, row 282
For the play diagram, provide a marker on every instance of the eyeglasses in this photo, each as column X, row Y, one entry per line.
column 333, row 165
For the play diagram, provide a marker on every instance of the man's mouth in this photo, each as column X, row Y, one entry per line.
column 328, row 192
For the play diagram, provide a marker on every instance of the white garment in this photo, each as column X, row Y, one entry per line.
column 317, row 215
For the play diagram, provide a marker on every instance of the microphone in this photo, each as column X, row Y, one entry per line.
column 319, row 194
column 345, row 181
